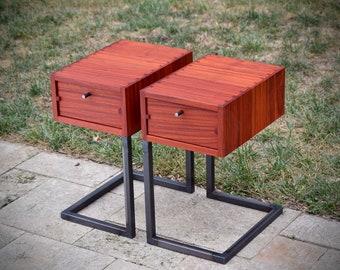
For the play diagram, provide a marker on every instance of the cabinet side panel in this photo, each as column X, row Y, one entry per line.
column 277, row 84
column 231, row 128
column 253, row 111
column 131, row 109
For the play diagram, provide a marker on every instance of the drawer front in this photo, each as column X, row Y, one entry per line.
column 181, row 123
column 89, row 104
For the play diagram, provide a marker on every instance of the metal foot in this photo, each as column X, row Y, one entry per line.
column 273, row 211
column 126, row 177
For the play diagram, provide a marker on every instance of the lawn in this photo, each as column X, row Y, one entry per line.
column 294, row 162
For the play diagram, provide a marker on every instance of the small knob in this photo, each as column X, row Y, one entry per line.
column 86, row 95
column 179, row 113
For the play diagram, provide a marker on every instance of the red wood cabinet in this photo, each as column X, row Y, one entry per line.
column 101, row 91
column 213, row 105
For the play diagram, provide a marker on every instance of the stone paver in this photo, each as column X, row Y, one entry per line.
column 123, row 265
column 286, row 254
column 315, row 230
column 236, row 263
column 133, row 250
column 329, row 261
column 79, row 171
column 104, row 207
column 8, row 234
column 36, row 252
column 36, row 186
column 16, row 183
column 13, row 154
column 264, row 238
column 39, row 211
column 214, row 222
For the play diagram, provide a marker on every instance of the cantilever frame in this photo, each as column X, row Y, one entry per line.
column 126, row 177
column 273, row 211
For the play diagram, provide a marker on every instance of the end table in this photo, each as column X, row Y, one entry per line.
column 212, row 106
column 101, row 92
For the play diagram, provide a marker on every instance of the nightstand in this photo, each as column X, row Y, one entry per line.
column 101, row 92
column 211, row 106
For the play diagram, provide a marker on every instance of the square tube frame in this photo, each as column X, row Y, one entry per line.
column 273, row 211
column 126, row 177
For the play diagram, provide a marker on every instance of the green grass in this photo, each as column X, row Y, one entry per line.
column 294, row 162
column 15, row 115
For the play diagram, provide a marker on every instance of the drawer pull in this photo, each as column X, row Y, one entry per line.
column 86, row 95
column 179, row 113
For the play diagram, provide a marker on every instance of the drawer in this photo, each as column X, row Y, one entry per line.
column 194, row 126
column 114, row 76
column 100, row 107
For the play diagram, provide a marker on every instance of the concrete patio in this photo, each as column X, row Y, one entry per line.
column 35, row 186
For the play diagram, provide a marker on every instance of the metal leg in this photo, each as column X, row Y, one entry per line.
column 71, row 213
column 128, row 187
column 273, row 211
column 126, row 177
column 149, row 192
column 149, row 183
column 210, row 174
column 190, row 170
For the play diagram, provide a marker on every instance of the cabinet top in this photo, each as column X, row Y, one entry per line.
column 120, row 65
column 213, row 81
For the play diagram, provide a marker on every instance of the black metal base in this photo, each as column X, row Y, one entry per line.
column 273, row 211
column 126, row 177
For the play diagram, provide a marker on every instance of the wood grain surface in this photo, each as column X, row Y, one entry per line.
column 232, row 99
column 113, row 76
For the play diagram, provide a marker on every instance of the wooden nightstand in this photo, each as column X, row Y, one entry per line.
column 101, row 92
column 211, row 106
column 221, row 103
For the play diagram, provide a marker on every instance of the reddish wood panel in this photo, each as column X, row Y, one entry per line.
column 113, row 76
column 192, row 120
column 99, row 108
column 242, row 97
